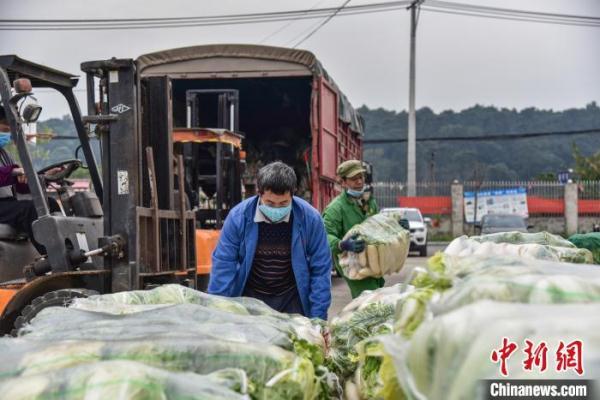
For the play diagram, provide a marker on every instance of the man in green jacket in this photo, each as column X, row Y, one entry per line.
column 351, row 207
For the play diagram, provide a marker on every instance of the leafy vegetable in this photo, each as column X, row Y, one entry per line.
column 386, row 250
column 590, row 241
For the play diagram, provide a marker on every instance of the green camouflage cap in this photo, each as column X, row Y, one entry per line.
column 350, row 168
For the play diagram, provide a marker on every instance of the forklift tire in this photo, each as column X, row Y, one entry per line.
column 57, row 298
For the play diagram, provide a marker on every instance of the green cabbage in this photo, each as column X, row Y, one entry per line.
column 126, row 380
column 386, row 251
column 589, row 241
column 448, row 356
column 481, row 246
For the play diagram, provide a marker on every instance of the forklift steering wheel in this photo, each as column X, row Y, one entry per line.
column 68, row 167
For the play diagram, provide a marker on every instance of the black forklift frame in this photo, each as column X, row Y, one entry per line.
column 13, row 67
column 138, row 188
column 228, row 120
column 56, row 229
column 62, row 236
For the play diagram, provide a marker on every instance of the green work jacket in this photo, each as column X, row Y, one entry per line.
column 339, row 216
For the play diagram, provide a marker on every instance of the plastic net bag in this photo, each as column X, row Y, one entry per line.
column 126, row 302
column 480, row 246
column 126, row 380
column 534, row 283
column 450, row 282
column 589, row 241
column 386, row 251
column 373, row 313
column 449, row 356
column 237, row 331
column 443, row 269
column 272, row 372
column 543, row 238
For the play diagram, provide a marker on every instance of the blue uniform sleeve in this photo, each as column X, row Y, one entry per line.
column 225, row 258
column 320, row 265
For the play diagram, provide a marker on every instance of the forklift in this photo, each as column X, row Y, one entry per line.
column 135, row 230
column 211, row 146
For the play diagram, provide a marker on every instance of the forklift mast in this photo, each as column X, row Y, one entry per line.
column 132, row 118
column 213, row 167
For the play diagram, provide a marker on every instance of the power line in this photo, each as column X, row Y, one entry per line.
column 516, row 136
column 301, row 34
column 289, row 23
column 305, row 38
column 445, row 4
column 510, row 14
column 176, row 22
column 510, row 18
column 277, row 16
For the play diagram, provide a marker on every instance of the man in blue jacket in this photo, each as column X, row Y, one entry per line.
column 273, row 247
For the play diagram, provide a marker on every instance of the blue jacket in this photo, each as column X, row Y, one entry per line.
column 311, row 257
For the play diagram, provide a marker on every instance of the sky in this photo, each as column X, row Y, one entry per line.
column 461, row 60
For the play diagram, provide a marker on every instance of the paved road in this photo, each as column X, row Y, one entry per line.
column 341, row 293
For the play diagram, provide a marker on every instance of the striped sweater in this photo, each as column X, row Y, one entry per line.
column 271, row 273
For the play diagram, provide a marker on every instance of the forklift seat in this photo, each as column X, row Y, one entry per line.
column 7, row 232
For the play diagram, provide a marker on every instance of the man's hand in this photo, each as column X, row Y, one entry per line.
column 353, row 244
column 17, row 171
column 404, row 223
column 53, row 171
column 20, row 174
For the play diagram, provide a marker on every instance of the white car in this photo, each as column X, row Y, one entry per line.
column 418, row 227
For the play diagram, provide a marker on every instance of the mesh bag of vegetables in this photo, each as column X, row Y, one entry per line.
column 126, row 302
column 177, row 313
column 543, row 237
column 126, row 380
column 478, row 246
column 451, row 282
column 449, row 356
column 203, row 308
column 444, row 269
column 386, row 251
column 590, row 241
column 398, row 308
column 531, row 283
column 272, row 372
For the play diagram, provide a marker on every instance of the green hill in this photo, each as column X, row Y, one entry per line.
column 496, row 160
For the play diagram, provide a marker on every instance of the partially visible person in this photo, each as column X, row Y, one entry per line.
column 273, row 247
column 19, row 214
column 350, row 208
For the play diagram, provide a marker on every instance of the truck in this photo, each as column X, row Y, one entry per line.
column 255, row 104
column 182, row 134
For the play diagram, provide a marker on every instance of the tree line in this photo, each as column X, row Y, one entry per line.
column 530, row 158
column 524, row 159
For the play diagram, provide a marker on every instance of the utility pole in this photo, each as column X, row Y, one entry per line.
column 411, row 170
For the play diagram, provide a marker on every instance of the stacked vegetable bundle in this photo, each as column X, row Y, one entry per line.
column 458, row 309
column 230, row 348
column 386, row 251
column 589, row 241
column 539, row 246
column 429, row 338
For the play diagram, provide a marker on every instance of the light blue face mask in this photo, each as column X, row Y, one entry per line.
column 4, row 139
column 355, row 193
column 275, row 214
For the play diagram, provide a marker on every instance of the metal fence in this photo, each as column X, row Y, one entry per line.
column 388, row 193
column 537, row 189
column 544, row 198
column 589, row 198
